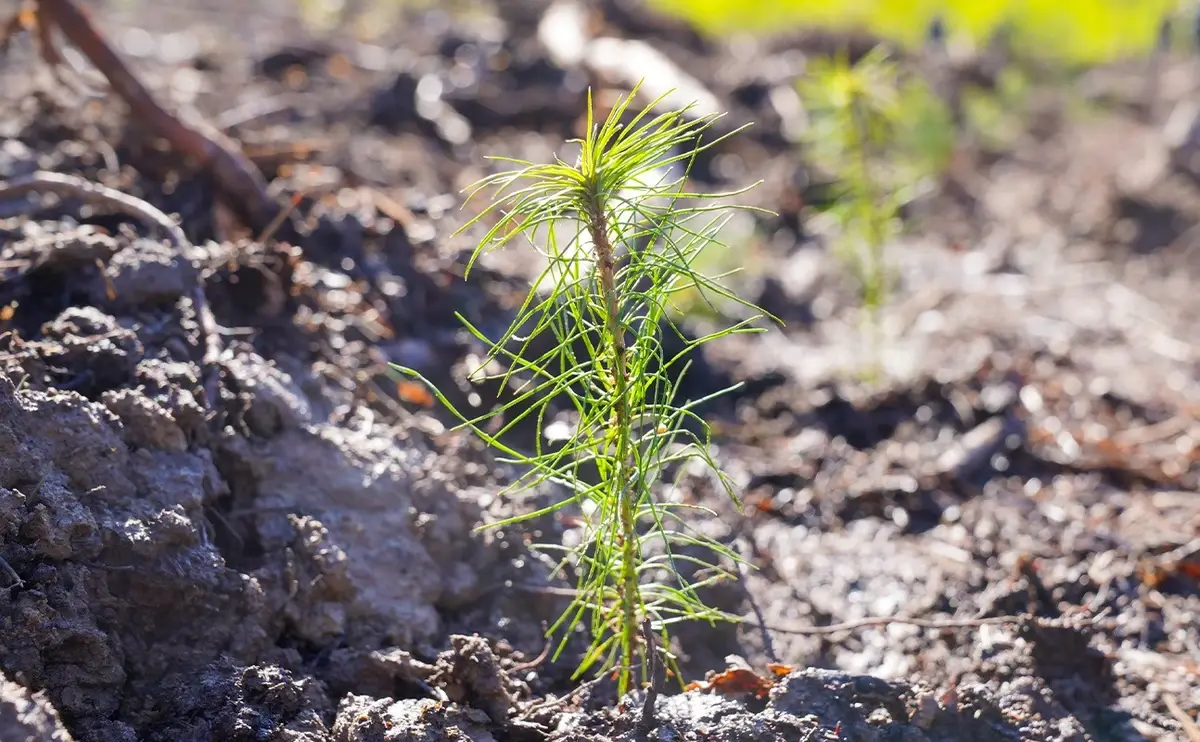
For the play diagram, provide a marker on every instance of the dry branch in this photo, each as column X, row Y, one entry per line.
column 239, row 182
column 871, row 621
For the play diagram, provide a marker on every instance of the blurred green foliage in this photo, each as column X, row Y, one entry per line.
column 1071, row 31
column 863, row 130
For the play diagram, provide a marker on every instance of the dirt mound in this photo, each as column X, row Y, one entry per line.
column 113, row 517
column 151, row 545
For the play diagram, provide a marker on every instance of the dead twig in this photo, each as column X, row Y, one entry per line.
column 270, row 230
column 768, row 644
column 862, row 623
column 94, row 193
column 1186, row 722
column 531, row 664
column 1154, row 432
column 238, row 180
column 211, row 340
column 75, row 187
column 17, row 582
column 547, row 705
column 837, row 628
column 924, row 623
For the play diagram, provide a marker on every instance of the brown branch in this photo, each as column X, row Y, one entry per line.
column 925, row 623
column 210, row 361
column 531, row 664
column 740, row 565
column 94, row 193
column 1185, row 722
column 862, row 623
column 238, row 180
column 86, row 190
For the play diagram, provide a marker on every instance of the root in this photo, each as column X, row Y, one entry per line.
column 924, row 623
column 75, row 187
column 536, row 661
column 237, row 179
column 873, row 621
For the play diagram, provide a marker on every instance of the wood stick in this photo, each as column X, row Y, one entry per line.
column 238, row 180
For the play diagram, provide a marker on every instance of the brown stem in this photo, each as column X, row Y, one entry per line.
column 239, row 181
column 1098, row 619
column 924, row 623
column 646, row 724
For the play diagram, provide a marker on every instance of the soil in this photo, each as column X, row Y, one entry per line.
column 299, row 559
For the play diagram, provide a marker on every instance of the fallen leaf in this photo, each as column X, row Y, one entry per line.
column 414, row 393
column 736, row 681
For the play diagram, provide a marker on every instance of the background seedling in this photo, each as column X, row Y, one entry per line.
column 620, row 236
column 880, row 137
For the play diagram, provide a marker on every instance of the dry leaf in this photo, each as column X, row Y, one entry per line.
column 736, row 681
column 414, row 393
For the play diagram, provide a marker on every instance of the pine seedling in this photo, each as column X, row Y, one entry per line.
column 620, row 236
column 881, row 139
